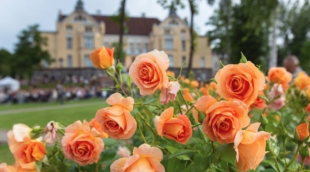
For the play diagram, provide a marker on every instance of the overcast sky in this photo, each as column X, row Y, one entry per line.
column 17, row 15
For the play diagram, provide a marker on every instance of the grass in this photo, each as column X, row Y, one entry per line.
column 6, row 155
column 34, row 105
column 65, row 116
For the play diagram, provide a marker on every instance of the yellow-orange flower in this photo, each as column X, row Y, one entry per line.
column 302, row 81
column 81, row 143
column 148, row 71
column 17, row 135
column 212, row 86
column 194, row 84
column 28, row 153
column 250, row 147
column 223, row 119
column 116, row 120
column 6, row 168
column 187, row 95
column 242, row 81
column 144, row 159
column 279, row 75
column 102, row 58
column 204, row 91
column 302, row 131
column 178, row 129
column 259, row 103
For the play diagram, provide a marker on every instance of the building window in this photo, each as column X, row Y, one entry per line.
column 69, row 42
column 60, row 62
column 183, row 45
column 167, row 31
column 183, row 60
column 202, row 62
column 88, row 41
column 87, row 61
column 69, row 27
column 132, row 48
column 168, row 43
column 173, row 22
column 171, row 59
column 139, row 49
column 80, row 18
column 146, row 47
column 88, row 29
column 69, row 61
column 183, row 31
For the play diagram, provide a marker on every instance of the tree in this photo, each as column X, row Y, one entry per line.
column 5, row 62
column 193, row 10
column 120, row 18
column 29, row 54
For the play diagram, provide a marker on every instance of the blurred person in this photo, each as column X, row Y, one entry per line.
column 60, row 92
column 291, row 64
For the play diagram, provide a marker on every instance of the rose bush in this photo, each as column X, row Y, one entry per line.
column 239, row 121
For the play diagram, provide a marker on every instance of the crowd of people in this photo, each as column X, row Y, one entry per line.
column 59, row 93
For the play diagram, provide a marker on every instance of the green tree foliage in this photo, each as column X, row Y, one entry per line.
column 5, row 60
column 29, row 54
column 242, row 27
column 294, row 31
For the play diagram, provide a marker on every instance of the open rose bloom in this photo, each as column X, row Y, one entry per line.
column 155, row 120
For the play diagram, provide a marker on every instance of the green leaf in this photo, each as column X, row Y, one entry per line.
column 45, row 160
column 181, row 152
column 109, row 142
column 38, row 165
column 272, row 164
column 227, row 153
column 213, row 80
column 107, row 155
column 173, row 150
column 110, row 71
column 151, row 100
column 243, row 58
column 273, row 147
column 129, row 81
column 264, row 97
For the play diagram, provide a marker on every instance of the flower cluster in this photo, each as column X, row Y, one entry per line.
column 176, row 123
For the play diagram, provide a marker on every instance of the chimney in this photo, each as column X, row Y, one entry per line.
column 59, row 12
column 98, row 12
column 143, row 15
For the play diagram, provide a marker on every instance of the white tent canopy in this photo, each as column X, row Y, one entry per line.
column 10, row 83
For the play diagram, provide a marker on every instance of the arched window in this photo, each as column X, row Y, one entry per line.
column 80, row 18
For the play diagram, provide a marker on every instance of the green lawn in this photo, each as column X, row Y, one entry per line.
column 5, row 155
column 65, row 116
column 33, row 105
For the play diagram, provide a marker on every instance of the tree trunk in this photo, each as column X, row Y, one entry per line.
column 227, row 25
column 192, row 48
column 274, row 48
column 121, row 30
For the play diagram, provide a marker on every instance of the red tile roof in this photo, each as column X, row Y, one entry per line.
column 136, row 25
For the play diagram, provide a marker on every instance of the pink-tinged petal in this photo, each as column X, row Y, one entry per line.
column 237, row 141
column 164, row 95
column 204, row 102
column 127, row 103
column 13, row 144
column 162, row 57
column 253, row 127
column 148, row 151
column 76, row 126
column 174, row 87
column 164, row 116
column 131, row 160
column 114, row 99
column 158, row 167
column 21, row 131
column 118, row 165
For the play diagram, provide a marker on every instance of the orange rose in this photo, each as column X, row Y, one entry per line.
column 178, row 129
column 194, row 84
column 307, row 109
column 103, row 58
column 116, row 120
column 6, row 168
column 148, row 71
column 187, row 95
column 145, row 158
column 279, row 75
column 212, row 85
column 242, row 81
column 302, row 81
column 302, row 131
column 17, row 135
column 204, row 91
column 186, row 81
column 223, row 119
column 81, row 143
column 28, row 153
column 250, row 147
column 259, row 103
column 94, row 124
